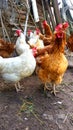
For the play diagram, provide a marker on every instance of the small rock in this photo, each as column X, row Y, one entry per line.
column 48, row 117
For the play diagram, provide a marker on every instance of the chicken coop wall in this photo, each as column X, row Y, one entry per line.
column 3, row 4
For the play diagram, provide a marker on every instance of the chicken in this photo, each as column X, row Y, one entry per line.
column 47, row 37
column 21, row 44
column 52, row 66
column 6, row 48
column 33, row 37
column 30, row 34
column 15, row 68
column 70, row 42
column 34, row 40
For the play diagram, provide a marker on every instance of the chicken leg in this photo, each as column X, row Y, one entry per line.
column 50, row 88
column 47, row 87
column 54, row 91
column 18, row 86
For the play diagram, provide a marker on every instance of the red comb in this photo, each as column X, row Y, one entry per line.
column 65, row 25
column 18, row 32
column 58, row 27
column 44, row 23
column 29, row 31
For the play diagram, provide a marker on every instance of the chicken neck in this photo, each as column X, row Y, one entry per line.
column 59, row 44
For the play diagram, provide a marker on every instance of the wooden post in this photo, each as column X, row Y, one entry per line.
column 35, row 13
column 50, row 14
column 35, row 10
column 56, row 11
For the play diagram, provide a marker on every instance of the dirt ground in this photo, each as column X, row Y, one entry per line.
column 32, row 109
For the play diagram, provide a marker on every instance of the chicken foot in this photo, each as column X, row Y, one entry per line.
column 47, row 87
column 18, row 86
column 54, row 91
column 50, row 88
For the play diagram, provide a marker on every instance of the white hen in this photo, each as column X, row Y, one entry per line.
column 21, row 44
column 15, row 68
column 34, row 40
column 33, row 37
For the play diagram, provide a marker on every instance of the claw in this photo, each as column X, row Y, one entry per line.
column 18, row 87
column 54, row 89
column 46, row 87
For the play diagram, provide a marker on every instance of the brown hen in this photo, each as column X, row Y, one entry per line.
column 6, row 48
column 70, row 42
column 47, row 37
column 52, row 65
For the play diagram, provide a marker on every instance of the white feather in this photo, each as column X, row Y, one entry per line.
column 21, row 44
column 16, row 68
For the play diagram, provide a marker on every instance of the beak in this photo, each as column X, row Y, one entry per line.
column 14, row 46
